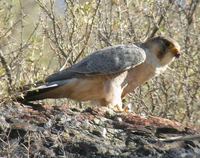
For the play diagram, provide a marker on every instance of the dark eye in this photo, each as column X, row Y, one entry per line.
column 167, row 43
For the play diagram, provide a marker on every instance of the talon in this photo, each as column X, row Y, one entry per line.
column 118, row 109
column 128, row 108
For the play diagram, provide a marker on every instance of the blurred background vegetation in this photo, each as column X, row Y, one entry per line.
column 42, row 36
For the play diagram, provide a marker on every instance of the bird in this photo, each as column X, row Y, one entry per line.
column 107, row 75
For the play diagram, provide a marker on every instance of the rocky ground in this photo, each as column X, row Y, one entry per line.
column 70, row 132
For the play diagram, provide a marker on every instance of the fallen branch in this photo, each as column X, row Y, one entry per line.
column 182, row 138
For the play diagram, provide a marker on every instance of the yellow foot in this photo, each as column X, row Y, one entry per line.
column 128, row 108
column 118, row 109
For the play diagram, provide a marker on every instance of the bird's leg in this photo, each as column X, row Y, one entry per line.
column 114, row 100
column 113, row 95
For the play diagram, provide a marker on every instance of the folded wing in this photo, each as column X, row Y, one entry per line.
column 110, row 60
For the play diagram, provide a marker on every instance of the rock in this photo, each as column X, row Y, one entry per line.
column 96, row 121
column 4, row 124
column 55, row 132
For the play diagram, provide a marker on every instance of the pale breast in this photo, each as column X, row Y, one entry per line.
column 138, row 76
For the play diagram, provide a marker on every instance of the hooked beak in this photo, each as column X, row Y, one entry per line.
column 177, row 55
column 176, row 52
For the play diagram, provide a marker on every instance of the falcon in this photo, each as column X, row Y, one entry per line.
column 108, row 75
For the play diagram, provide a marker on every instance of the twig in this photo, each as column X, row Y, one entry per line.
column 88, row 35
column 104, row 39
column 160, row 20
column 156, row 26
column 54, row 24
column 10, row 28
column 132, row 30
column 7, row 70
column 191, row 11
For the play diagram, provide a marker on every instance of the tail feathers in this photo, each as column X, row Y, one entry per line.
column 40, row 92
column 35, row 94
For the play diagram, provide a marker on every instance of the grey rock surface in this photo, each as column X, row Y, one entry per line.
column 64, row 132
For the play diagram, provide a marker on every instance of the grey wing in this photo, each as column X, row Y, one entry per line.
column 110, row 60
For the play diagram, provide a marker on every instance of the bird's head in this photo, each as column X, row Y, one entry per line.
column 165, row 49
